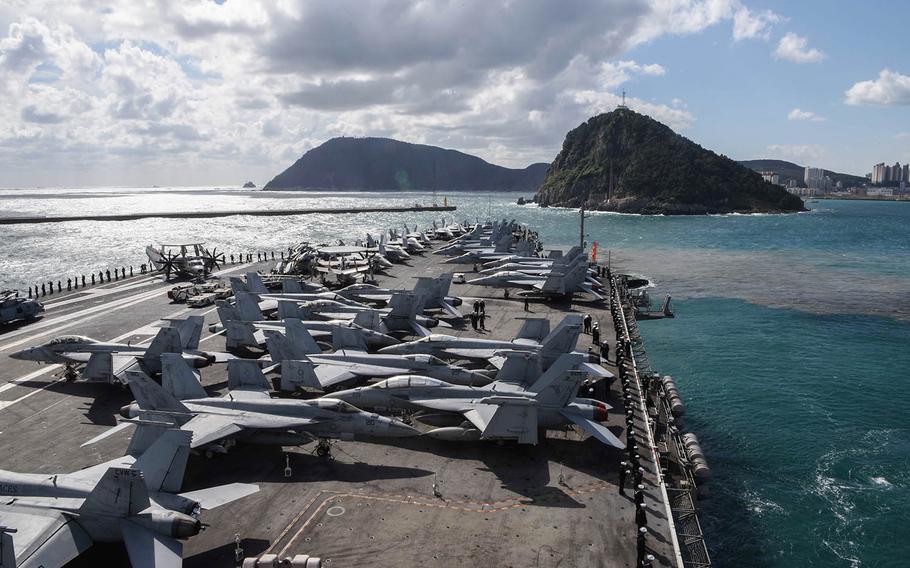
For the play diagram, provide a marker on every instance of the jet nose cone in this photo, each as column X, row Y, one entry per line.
column 392, row 349
column 28, row 354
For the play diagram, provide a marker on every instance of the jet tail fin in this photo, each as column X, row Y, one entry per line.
column 564, row 338
column 7, row 552
column 291, row 286
column 227, row 312
column 348, row 338
column 151, row 396
column 248, row 306
column 164, row 462
column 278, row 346
column 179, row 379
column 555, row 283
column 369, row 319
column 246, row 374
column 557, row 390
column 238, row 285
column 166, row 341
column 255, row 283
column 300, row 339
column 297, row 374
column 519, row 368
column 190, row 330
column 534, row 329
column 240, row 334
column 289, row 309
column 150, row 426
column 121, row 492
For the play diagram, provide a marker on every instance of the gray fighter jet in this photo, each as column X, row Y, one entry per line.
column 561, row 340
column 47, row 520
column 502, row 410
column 403, row 314
column 241, row 333
column 434, row 290
column 534, row 264
column 109, row 362
column 304, row 365
column 331, row 369
column 248, row 413
column 545, row 281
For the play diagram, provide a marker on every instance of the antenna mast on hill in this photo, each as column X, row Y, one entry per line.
column 434, row 180
column 623, row 105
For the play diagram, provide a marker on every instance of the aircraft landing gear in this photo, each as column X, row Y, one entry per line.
column 324, row 448
column 70, row 374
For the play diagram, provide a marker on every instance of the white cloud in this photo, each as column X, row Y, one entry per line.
column 749, row 25
column 803, row 154
column 890, row 89
column 207, row 92
column 902, row 135
column 796, row 48
column 798, row 114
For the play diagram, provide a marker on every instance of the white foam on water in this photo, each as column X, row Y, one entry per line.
column 881, row 482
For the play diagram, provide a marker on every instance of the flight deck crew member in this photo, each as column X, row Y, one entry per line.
column 595, row 334
column 587, row 323
column 642, row 532
column 474, row 320
column 483, row 307
column 476, row 306
column 527, row 305
column 623, row 475
column 483, row 318
column 605, row 350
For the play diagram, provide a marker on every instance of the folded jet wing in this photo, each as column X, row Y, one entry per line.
column 107, row 366
column 496, row 417
column 42, row 538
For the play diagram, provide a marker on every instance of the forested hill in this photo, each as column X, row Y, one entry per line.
column 628, row 162
column 383, row 164
column 789, row 170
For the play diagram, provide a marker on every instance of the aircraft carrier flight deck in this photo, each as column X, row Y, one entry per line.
column 373, row 502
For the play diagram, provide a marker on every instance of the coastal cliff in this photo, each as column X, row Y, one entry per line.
column 383, row 164
column 630, row 163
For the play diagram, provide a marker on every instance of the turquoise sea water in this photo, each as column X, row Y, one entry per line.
column 791, row 344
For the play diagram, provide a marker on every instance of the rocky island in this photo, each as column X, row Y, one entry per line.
column 627, row 162
column 384, row 164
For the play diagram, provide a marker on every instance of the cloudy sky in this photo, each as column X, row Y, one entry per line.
column 198, row 92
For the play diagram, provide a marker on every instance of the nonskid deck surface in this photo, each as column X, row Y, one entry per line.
column 413, row 502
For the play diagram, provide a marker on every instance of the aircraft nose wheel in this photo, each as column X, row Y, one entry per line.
column 324, row 448
column 70, row 374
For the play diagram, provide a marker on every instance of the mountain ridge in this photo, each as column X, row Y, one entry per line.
column 386, row 164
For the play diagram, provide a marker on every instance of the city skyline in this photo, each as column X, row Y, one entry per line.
column 220, row 92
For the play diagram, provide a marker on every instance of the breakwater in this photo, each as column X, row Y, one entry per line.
column 22, row 220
